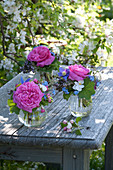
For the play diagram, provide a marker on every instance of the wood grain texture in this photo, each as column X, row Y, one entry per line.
column 96, row 125
column 109, row 150
column 34, row 153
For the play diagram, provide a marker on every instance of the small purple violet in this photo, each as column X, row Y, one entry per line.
column 63, row 73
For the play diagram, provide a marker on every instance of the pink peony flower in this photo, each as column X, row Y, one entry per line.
column 27, row 96
column 41, row 55
column 77, row 72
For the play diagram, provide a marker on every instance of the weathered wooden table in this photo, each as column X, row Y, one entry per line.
column 49, row 143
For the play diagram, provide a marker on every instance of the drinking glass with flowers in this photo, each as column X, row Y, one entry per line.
column 28, row 101
column 78, row 85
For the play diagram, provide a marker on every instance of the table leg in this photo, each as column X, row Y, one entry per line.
column 76, row 159
column 109, row 150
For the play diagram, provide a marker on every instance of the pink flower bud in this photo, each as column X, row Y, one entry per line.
column 69, row 130
column 42, row 110
column 65, row 128
column 36, row 81
column 49, row 100
column 48, row 95
column 71, row 121
column 64, row 121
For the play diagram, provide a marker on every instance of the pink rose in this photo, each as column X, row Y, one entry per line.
column 41, row 55
column 27, row 96
column 77, row 72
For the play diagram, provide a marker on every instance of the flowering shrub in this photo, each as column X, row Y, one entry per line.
column 76, row 80
column 28, row 96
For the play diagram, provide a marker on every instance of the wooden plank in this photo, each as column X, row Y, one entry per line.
column 109, row 151
column 75, row 159
column 34, row 153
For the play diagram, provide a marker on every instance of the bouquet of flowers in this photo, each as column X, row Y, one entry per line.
column 78, row 85
column 42, row 59
column 28, row 100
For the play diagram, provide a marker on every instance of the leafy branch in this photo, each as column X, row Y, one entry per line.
column 3, row 41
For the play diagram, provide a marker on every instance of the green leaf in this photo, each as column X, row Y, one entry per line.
column 63, row 125
column 14, row 109
column 66, row 96
column 78, row 119
column 34, row 109
column 75, row 124
column 88, row 89
column 10, row 103
column 78, row 132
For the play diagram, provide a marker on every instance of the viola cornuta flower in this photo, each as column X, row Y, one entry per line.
column 63, row 73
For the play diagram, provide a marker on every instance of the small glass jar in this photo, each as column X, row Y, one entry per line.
column 34, row 119
column 79, row 107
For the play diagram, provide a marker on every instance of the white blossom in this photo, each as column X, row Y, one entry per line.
column 102, row 53
column 69, row 125
column 72, row 58
column 79, row 85
column 44, row 88
column 11, row 48
column 6, row 64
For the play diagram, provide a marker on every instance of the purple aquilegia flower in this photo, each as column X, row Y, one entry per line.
column 22, row 80
column 63, row 73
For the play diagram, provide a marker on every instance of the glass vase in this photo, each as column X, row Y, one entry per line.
column 79, row 107
column 34, row 119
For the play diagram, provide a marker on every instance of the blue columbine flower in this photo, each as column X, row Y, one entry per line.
column 76, row 92
column 52, row 53
column 65, row 90
column 45, row 97
column 98, row 83
column 45, row 83
column 63, row 73
column 91, row 78
column 35, row 47
column 53, row 92
column 22, row 80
